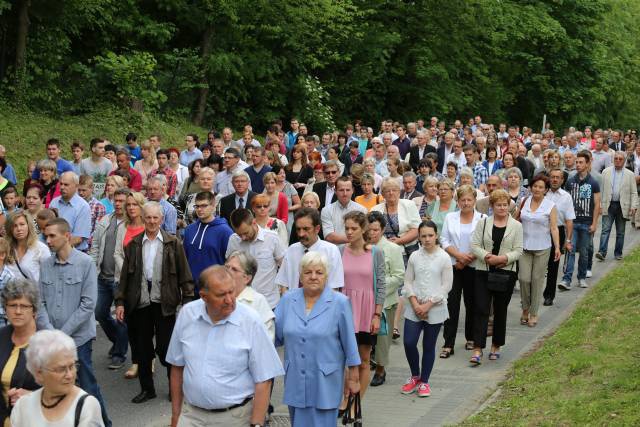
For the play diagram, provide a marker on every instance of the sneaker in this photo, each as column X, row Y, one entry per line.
column 583, row 283
column 117, row 362
column 424, row 390
column 600, row 256
column 618, row 257
column 564, row 285
column 411, row 385
column 589, row 274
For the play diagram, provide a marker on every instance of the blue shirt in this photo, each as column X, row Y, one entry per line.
column 169, row 224
column 135, row 152
column 63, row 166
column 222, row 361
column 78, row 214
column 69, row 292
column 10, row 174
column 186, row 157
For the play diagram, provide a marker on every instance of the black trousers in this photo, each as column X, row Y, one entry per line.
column 463, row 285
column 553, row 266
column 483, row 298
column 143, row 324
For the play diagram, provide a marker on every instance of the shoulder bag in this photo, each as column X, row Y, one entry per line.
column 79, row 406
column 498, row 280
column 408, row 249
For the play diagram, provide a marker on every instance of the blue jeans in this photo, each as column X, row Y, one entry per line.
column 580, row 243
column 114, row 330
column 87, row 379
column 412, row 332
column 614, row 215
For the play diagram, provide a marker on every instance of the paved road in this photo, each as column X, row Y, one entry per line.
column 458, row 390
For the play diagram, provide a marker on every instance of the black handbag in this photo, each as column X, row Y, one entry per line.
column 498, row 280
column 353, row 406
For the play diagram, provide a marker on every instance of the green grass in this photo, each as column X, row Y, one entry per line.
column 587, row 373
column 24, row 133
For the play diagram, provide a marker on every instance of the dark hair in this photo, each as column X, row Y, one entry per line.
column 123, row 173
column 586, row 155
column 233, row 151
column 3, row 164
column 123, row 151
column 77, row 144
column 314, row 214
column 94, row 142
column 240, row 216
column 452, row 163
column 540, row 177
column 131, row 137
column 122, row 191
column 214, row 159
column 491, row 148
column 53, row 141
column 110, row 147
column 192, row 165
column 428, row 223
column 426, row 162
column 205, row 195
column 36, row 185
column 162, row 151
column 378, row 217
column 276, row 169
column 469, row 147
column 358, row 217
column 61, row 223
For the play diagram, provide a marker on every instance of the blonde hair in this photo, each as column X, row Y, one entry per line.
column 140, row 200
column 498, row 196
column 5, row 248
column 32, row 236
column 464, row 190
column 311, row 195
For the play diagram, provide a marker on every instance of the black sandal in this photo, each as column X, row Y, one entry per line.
column 396, row 333
column 446, row 353
column 469, row 345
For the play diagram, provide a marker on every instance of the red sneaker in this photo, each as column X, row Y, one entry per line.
column 411, row 385
column 424, row 390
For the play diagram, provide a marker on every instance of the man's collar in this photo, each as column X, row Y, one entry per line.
column 158, row 237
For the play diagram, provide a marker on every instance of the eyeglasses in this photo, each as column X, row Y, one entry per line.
column 261, row 206
column 330, row 172
column 22, row 307
column 61, row 370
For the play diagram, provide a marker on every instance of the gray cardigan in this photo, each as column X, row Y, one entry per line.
column 378, row 267
column 511, row 244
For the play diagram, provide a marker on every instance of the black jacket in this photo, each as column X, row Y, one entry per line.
column 21, row 377
column 414, row 156
column 321, row 190
column 228, row 204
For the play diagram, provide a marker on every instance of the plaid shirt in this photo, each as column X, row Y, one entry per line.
column 172, row 179
column 97, row 212
column 480, row 175
column 5, row 276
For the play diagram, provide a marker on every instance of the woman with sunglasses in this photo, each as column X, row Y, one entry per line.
column 260, row 205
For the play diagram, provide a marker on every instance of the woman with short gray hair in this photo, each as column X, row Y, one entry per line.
column 51, row 359
column 514, row 186
column 20, row 300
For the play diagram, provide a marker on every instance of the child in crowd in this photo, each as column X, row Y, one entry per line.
column 5, row 274
column 11, row 200
column 42, row 218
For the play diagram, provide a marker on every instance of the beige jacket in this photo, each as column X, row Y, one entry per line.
column 628, row 191
column 511, row 245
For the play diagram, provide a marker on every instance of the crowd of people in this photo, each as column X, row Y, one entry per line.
column 332, row 246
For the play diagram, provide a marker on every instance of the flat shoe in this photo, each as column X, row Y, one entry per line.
column 476, row 359
column 143, row 396
column 524, row 321
column 446, row 353
column 494, row 356
column 469, row 345
column 378, row 380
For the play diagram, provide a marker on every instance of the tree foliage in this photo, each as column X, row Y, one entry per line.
column 327, row 61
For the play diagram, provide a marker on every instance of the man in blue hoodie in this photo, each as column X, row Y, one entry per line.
column 205, row 241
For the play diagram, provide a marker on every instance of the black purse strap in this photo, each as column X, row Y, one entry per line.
column 79, row 405
column 15, row 256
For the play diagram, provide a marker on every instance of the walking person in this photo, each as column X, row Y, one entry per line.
column 497, row 245
column 364, row 284
column 427, row 283
column 539, row 218
column 394, row 278
column 455, row 239
column 566, row 215
column 619, row 204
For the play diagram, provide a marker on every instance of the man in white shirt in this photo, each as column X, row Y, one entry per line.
column 457, row 156
column 566, row 215
column 264, row 245
column 601, row 158
column 307, row 227
column 333, row 214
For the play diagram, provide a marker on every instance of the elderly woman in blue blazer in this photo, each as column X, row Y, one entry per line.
column 316, row 326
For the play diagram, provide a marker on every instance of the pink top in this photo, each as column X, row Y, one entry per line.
column 358, row 286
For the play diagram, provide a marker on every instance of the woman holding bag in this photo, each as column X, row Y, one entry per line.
column 364, row 279
column 497, row 245
column 427, row 283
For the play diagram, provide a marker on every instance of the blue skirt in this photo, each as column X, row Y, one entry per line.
column 313, row 417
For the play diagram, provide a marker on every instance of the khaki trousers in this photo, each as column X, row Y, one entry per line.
column 532, row 276
column 192, row 416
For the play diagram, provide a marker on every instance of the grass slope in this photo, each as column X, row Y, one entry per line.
column 24, row 133
column 587, row 373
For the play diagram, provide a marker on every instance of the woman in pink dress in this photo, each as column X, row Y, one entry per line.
column 364, row 284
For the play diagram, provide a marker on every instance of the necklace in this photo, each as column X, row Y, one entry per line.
column 53, row 405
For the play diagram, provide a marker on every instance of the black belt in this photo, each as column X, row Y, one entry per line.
column 244, row 402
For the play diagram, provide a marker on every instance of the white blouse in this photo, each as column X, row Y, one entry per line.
column 28, row 412
column 30, row 262
column 429, row 277
column 536, row 225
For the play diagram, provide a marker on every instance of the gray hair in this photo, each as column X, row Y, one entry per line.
column 376, row 139
column 238, row 174
column 428, row 181
column 19, row 288
column 48, row 164
column 152, row 205
column 74, row 177
column 409, row 174
column 331, row 163
column 46, row 344
column 466, row 171
column 369, row 160
column 247, row 262
column 367, row 177
column 314, row 258
column 513, row 170
column 158, row 178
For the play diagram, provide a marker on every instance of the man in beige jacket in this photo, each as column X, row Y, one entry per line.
column 619, row 203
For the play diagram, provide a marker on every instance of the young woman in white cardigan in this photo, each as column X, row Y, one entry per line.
column 427, row 283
